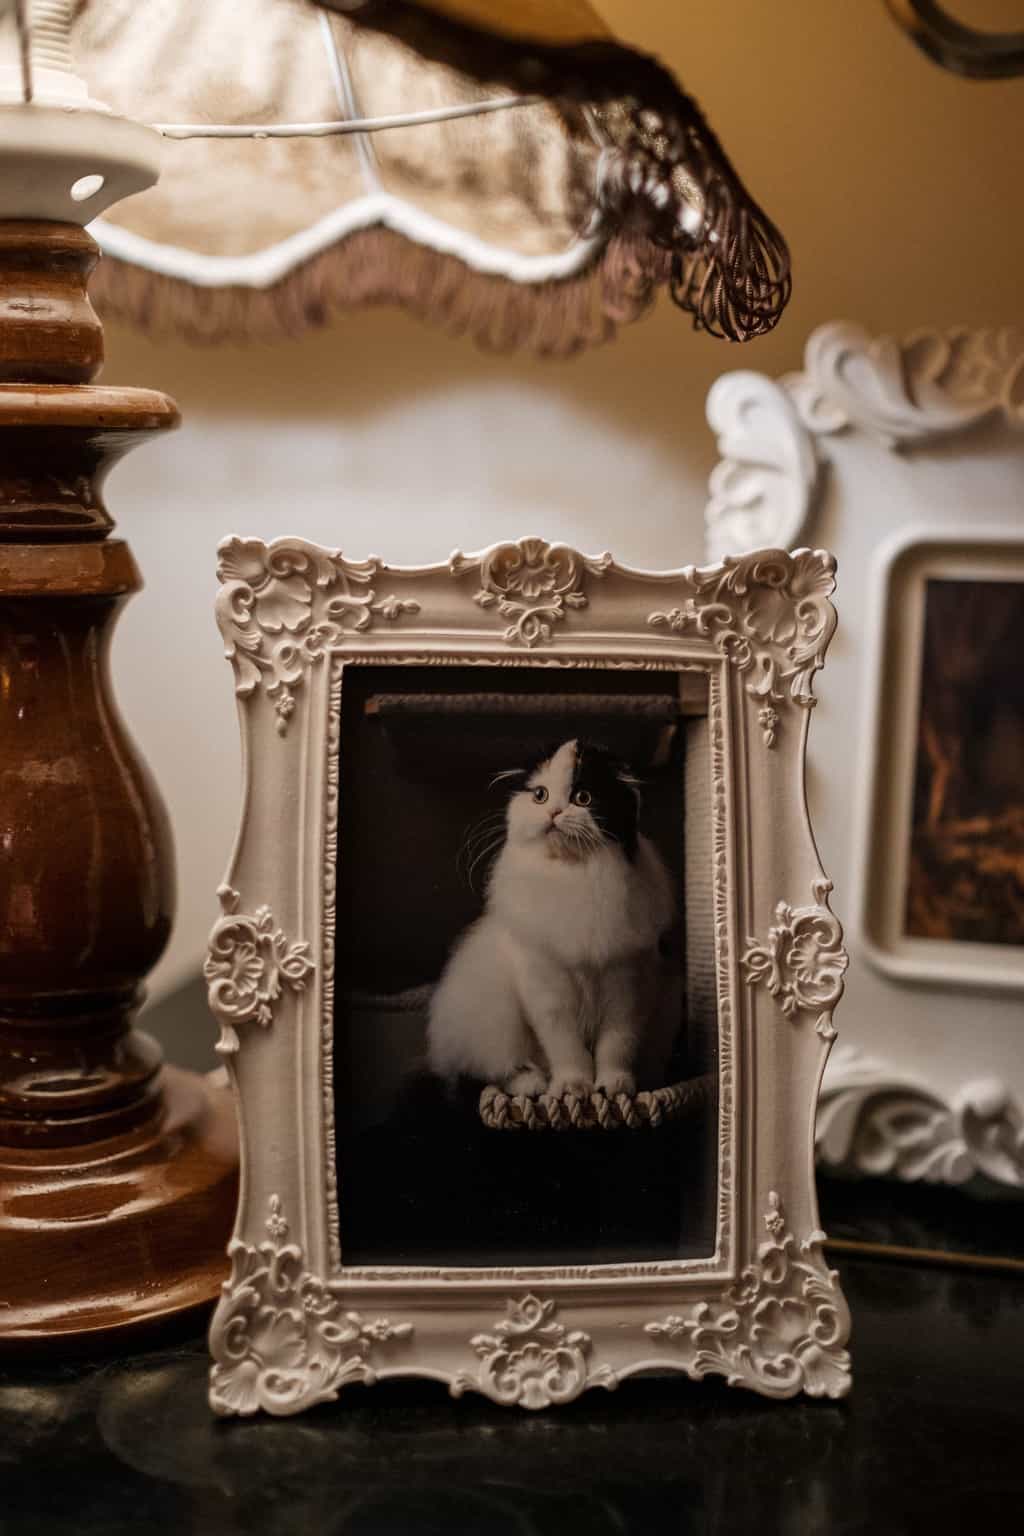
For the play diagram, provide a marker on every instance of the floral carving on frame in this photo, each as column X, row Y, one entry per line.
column 280, row 1340
column 532, row 1361
column 780, row 1329
column 931, row 384
column 249, row 963
column 533, row 584
column 772, row 433
column 764, row 483
column 802, row 962
column 769, row 615
column 876, row 1122
column 282, row 606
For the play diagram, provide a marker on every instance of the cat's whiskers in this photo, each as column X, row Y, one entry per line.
column 506, row 773
column 482, row 828
column 482, row 839
column 482, row 856
column 577, row 838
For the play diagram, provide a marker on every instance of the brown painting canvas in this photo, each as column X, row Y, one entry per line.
column 966, row 876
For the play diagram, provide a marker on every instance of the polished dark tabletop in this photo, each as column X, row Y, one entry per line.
column 929, row 1441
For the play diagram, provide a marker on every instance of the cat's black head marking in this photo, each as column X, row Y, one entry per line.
column 613, row 790
column 614, row 797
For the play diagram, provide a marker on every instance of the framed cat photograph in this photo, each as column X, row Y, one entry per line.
column 525, row 976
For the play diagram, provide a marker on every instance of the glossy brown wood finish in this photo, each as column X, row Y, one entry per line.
column 69, row 437
column 49, row 331
column 86, row 902
column 117, row 1176
column 131, row 1230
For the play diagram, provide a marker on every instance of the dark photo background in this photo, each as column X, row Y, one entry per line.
column 421, row 1179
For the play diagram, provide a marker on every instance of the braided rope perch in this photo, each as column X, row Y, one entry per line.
column 500, row 1111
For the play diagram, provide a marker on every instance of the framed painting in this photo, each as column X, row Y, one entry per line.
column 943, row 894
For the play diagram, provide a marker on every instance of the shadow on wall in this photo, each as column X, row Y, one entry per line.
column 184, row 1026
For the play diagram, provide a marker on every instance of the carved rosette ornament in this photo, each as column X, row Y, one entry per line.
column 780, row 1330
column 280, row 1339
column 769, row 615
column 802, row 962
column 283, row 606
column 530, row 1361
column 533, row 584
column 249, row 963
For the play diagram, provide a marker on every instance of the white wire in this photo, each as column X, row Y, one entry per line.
column 350, row 126
column 345, row 96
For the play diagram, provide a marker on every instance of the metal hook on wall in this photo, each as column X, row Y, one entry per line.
column 964, row 50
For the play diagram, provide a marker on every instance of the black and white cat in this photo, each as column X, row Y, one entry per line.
column 558, row 986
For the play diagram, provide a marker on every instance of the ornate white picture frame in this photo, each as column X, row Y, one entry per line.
column 876, row 443
column 295, row 1323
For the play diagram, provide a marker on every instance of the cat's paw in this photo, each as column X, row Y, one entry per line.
column 571, row 1082
column 528, row 1083
column 612, row 1083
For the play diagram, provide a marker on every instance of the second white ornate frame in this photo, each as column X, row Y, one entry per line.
column 295, row 1323
column 912, row 1095
column 903, row 569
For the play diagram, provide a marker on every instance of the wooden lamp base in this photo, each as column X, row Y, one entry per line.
column 117, row 1176
column 103, row 1237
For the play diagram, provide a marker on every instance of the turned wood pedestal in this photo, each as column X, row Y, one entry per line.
column 117, row 1174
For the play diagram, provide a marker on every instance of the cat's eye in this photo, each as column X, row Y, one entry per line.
column 540, row 794
column 582, row 797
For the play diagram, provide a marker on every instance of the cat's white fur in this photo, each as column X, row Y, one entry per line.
column 559, row 985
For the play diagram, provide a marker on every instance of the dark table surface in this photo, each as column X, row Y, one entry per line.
column 929, row 1441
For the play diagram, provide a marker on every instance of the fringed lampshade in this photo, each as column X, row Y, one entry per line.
column 507, row 170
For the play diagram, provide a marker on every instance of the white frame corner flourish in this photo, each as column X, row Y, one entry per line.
column 771, row 432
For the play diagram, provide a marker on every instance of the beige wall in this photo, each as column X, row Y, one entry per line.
column 899, row 188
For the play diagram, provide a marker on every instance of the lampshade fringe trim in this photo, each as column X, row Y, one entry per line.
column 554, row 319
column 731, row 273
